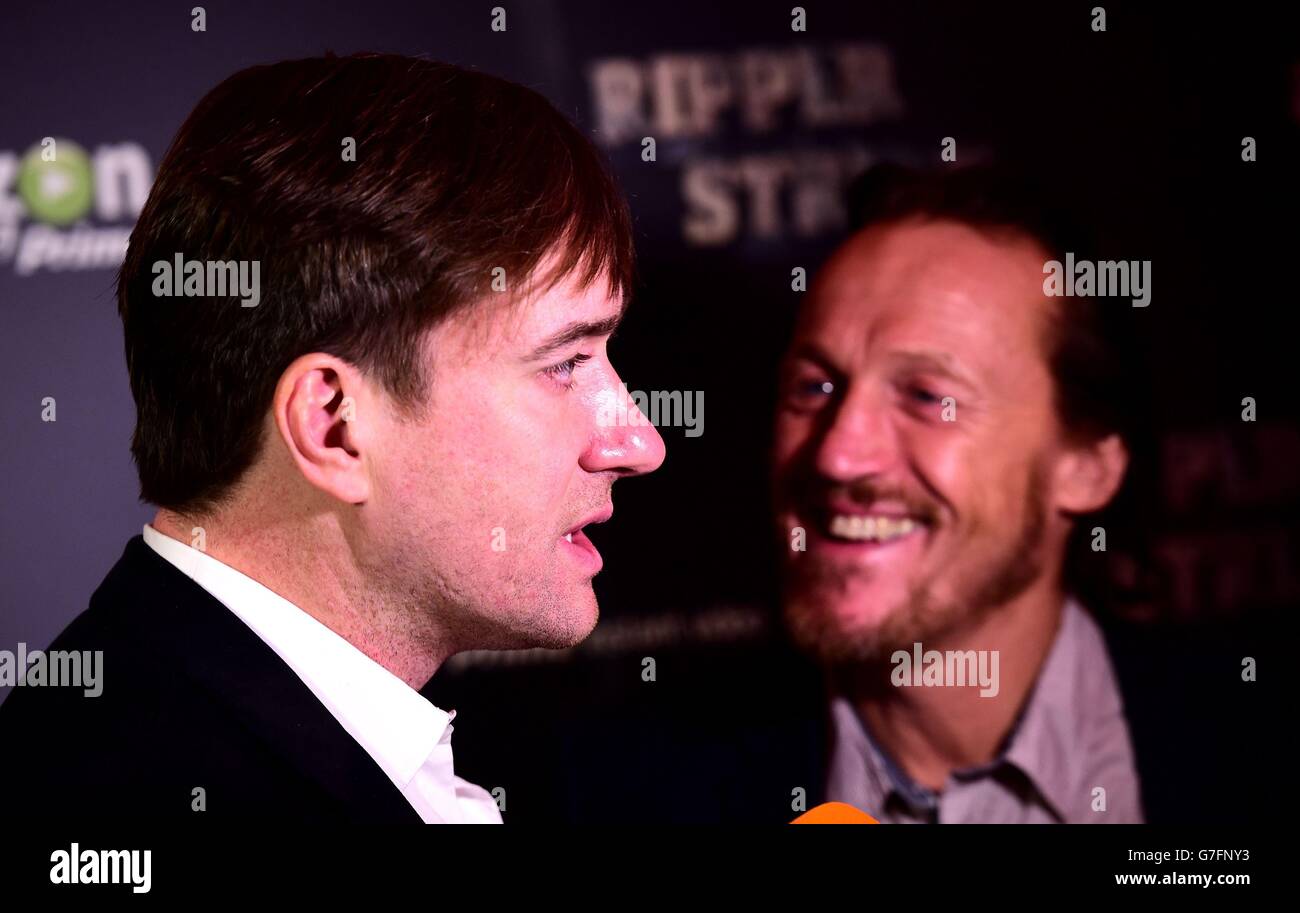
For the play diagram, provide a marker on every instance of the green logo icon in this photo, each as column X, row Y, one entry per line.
column 58, row 191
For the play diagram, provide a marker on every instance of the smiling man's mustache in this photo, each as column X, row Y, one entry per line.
column 865, row 492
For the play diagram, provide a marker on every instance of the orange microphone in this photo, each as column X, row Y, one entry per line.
column 834, row 813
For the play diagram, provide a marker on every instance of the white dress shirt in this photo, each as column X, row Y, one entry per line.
column 408, row 737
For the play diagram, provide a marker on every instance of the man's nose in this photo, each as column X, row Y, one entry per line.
column 624, row 440
column 860, row 439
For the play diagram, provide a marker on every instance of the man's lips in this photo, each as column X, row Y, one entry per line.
column 851, row 508
column 576, row 543
column 599, row 516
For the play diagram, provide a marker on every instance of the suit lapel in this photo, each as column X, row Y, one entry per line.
column 213, row 647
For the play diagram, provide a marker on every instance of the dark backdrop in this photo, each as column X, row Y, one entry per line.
column 1142, row 125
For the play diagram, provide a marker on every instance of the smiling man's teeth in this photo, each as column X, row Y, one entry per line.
column 871, row 529
column 568, row 537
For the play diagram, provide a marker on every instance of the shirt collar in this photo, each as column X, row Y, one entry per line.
column 854, row 754
column 394, row 724
column 1050, row 743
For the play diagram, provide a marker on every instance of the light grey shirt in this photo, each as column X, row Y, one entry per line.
column 1069, row 758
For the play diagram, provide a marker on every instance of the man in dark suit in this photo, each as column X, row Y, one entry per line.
column 366, row 310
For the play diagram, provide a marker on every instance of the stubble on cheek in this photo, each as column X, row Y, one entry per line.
column 475, row 542
column 824, row 607
column 978, row 567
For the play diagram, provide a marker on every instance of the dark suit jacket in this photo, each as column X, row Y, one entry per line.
column 192, row 698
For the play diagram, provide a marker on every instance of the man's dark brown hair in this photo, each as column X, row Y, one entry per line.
column 456, row 173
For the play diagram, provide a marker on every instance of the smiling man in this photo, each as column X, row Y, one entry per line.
column 391, row 458
column 943, row 429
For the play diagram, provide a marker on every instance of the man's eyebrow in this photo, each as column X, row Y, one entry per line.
column 939, row 362
column 922, row 359
column 810, row 351
column 578, row 330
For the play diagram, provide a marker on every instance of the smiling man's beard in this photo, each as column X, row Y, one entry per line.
column 923, row 617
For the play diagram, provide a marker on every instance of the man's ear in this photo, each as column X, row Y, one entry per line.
column 1088, row 474
column 317, row 412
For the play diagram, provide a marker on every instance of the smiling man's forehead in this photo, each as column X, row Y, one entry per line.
column 943, row 274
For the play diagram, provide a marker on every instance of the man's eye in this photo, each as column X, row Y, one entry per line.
column 563, row 372
column 924, row 396
column 806, row 392
column 816, row 388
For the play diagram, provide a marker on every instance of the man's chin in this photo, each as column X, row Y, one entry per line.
column 563, row 623
column 572, row 631
column 835, row 633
